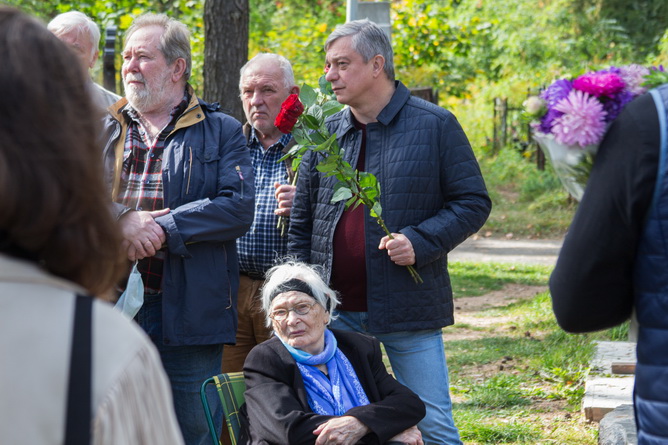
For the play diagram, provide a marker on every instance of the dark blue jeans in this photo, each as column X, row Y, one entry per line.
column 187, row 368
column 418, row 361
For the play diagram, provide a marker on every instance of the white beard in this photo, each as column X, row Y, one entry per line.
column 148, row 97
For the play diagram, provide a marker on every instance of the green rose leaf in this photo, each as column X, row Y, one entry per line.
column 341, row 192
column 296, row 152
column 329, row 164
column 354, row 201
column 317, row 138
column 367, row 179
column 348, row 171
column 331, row 107
column 327, row 145
column 376, row 211
column 301, row 139
column 316, row 112
column 308, row 96
column 310, row 121
column 324, row 86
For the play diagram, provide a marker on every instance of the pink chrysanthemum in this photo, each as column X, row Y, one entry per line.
column 599, row 84
column 583, row 121
column 633, row 76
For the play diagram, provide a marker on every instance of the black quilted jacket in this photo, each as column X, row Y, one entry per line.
column 432, row 191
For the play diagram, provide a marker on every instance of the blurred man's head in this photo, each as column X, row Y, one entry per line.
column 265, row 82
column 80, row 33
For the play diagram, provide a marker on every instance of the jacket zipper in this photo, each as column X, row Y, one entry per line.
column 190, row 169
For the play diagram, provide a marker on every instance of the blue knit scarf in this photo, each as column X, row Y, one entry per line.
column 337, row 394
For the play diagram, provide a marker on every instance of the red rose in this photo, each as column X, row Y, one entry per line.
column 291, row 109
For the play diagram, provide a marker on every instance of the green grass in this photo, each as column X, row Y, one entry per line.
column 471, row 278
column 519, row 381
column 476, row 427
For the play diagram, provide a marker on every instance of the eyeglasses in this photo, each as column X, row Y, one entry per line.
column 299, row 309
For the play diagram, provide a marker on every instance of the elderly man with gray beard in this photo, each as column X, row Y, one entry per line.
column 182, row 186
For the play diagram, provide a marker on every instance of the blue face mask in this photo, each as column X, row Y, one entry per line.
column 133, row 298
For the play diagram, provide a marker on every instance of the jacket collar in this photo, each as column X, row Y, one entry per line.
column 399, row 99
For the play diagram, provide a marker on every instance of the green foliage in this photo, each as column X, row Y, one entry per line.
column 120, row 13
column 538, row 183
column 662, row 57
column 427, row 39
column 619, row 333
column 643, row 22
column 296, row 29
column 655, row 78
column 526, row 201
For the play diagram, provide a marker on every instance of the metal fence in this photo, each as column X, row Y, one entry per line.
column 510, row 130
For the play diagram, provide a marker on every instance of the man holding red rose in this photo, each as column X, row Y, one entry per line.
column 265, row 82
column 433, row 197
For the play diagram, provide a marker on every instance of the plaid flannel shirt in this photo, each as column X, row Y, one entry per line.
column 141, row 181
column 263, row 244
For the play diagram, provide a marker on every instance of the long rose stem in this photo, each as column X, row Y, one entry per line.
column 282, row 221
column 352, row 184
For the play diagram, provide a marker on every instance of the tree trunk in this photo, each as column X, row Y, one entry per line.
column 225, row 52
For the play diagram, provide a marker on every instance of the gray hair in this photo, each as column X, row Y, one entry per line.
column 368, row 40
column 76, row 21
column 309, row 274
column 174, row 42
column 283, row 63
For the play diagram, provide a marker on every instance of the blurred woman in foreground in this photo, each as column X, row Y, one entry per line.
column 73, row 370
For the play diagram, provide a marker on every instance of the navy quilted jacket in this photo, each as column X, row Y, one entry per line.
column 432, row 191
column 208, row 185
column 651, row 304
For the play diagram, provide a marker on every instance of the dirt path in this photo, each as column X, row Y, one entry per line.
column 468, row 311
column 482, row 249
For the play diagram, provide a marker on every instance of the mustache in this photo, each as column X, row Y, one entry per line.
column 135, row 77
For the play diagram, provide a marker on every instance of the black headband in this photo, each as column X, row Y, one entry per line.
column 294, row 284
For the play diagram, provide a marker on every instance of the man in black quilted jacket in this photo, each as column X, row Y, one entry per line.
column 433, row 198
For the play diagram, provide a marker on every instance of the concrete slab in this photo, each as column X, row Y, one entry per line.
column 612, row 352
column 603, row 390
column 604, row 394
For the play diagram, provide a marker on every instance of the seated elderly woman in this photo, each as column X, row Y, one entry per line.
column 312, row 385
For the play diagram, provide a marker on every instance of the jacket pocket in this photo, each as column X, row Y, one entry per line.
column 201, row 172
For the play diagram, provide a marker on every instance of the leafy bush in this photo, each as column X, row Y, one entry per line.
column 537, row 183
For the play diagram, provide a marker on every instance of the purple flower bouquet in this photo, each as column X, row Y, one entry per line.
column 570, row 118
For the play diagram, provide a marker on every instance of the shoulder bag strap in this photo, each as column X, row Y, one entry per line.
column 77, row 426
